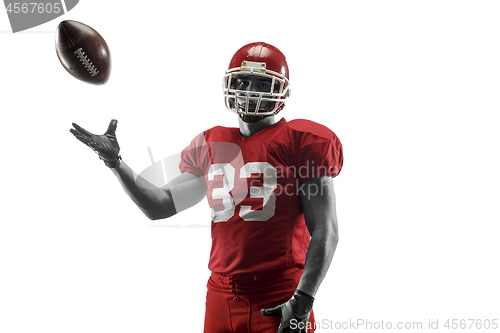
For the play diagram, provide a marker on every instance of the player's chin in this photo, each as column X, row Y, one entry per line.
column 251, row 119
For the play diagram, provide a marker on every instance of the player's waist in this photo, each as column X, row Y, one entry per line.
column 254, row 280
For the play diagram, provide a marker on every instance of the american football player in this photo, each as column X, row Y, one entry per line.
column 269, row 185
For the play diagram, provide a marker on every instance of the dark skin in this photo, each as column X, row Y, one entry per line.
column 317, row 195
column 321, row 219
column 257, row 84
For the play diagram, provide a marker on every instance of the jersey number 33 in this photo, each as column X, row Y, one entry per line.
column 263, row 190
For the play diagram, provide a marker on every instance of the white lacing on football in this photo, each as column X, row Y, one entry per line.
column 93, row 71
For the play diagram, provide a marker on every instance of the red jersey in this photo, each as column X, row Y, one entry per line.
column 253, row 191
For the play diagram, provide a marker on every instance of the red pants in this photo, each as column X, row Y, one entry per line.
column 234, row 302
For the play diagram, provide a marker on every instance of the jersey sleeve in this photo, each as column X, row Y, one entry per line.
column 320, row 157
column 194, row 156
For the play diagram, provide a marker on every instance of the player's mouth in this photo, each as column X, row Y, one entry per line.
column 242, row 106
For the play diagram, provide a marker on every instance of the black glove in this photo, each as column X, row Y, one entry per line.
column 294, row 313
column 106, row 145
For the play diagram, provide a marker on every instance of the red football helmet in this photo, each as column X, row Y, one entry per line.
column 262, row 60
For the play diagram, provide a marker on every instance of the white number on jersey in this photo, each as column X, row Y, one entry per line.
column 269, row 176
column 227, row 171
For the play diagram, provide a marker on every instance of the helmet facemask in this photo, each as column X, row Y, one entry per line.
column 251, row 102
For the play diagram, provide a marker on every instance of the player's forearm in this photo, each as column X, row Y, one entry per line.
column 154, row 202
column 319, row 256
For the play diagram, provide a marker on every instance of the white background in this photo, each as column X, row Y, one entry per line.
column 410, row 87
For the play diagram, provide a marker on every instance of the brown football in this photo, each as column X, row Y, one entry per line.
column 83, row 52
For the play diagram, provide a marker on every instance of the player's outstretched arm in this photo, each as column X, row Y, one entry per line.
column 155, row 202
column 183, row 192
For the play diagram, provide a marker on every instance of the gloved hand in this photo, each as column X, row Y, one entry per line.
column 106, row 145
column 294, row 313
